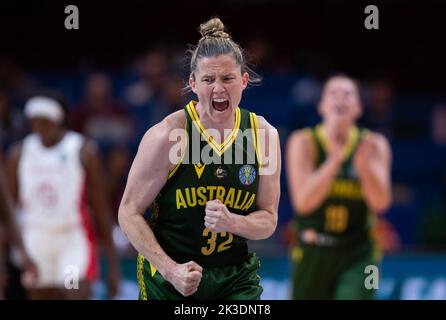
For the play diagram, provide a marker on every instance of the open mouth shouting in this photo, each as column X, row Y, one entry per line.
column 220, row 104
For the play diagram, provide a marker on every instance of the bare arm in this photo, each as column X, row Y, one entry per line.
column 5, row 221
column 147, row 176
column 7, row 209
column 101, row 211
column 8, row 201
column 373, row 160
column 5, row 203
column 261, row 223
column 12, row 166
column 308, row 186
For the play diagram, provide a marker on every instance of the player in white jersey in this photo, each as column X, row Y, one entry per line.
column 54, row 173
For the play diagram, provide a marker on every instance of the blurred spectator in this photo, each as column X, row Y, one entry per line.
column 15, row 82
column 118, row 161
column 433, row 223
column 438, row 123
column 260, row 52
column 151, row 70
column 12, row 122
column 100, row 116
column 379, row 106
column 289, row 235
column 438, row 134
column 170, row 100
column 306, row 91
column 305, row 94
column 143, row 94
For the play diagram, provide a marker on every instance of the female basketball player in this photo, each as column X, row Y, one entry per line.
column 206, row 205
column 339, row 177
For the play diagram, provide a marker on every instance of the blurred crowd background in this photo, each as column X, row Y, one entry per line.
column 126, row 67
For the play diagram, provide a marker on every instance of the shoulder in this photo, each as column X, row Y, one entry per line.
column 164, row 134
column 174, row 120
column 74, row 135
column 376, row 145
column 376, row 140
column 75, row 141
column 164, row 128
column 15, row 151
column 300, row 137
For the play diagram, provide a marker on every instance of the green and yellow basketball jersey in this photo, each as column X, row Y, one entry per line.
column 178, row 211
column 344, row 215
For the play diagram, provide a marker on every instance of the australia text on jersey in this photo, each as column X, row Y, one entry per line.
column 212, row 153
column 231, row 197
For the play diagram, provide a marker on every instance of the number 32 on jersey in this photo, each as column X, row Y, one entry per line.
column 212, row 241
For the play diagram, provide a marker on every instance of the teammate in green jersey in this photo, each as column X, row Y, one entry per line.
column 210, row 174
column 339, row 177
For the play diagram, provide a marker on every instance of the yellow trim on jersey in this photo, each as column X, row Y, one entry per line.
column 140, row 276
column 352, row 141
column 309, row 132
column 175, row 168
column 255, row 135
column 152, row 269
column 220, row 149
column 353, row 137
column 296, row 254
column 377, row 251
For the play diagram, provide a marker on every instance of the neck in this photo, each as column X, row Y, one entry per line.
column 52, row 140
column 210, row 123
column 336, row 133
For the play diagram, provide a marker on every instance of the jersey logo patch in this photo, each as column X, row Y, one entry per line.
column 220, row 172
column 199, row 168
column 247, row 174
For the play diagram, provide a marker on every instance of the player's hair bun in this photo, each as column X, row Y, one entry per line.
column 213, row 28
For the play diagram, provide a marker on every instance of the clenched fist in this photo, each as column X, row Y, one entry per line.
column 217, row 217
column 186, row 278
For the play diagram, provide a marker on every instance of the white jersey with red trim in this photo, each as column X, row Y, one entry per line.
column 51, row 182
column 55, row 221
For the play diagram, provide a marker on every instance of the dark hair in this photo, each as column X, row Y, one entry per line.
column 214, row 42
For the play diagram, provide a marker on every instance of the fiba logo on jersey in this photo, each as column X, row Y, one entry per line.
column 247, row 174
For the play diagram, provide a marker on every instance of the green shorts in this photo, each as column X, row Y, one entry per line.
column 234, row 282
column 332, row 273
